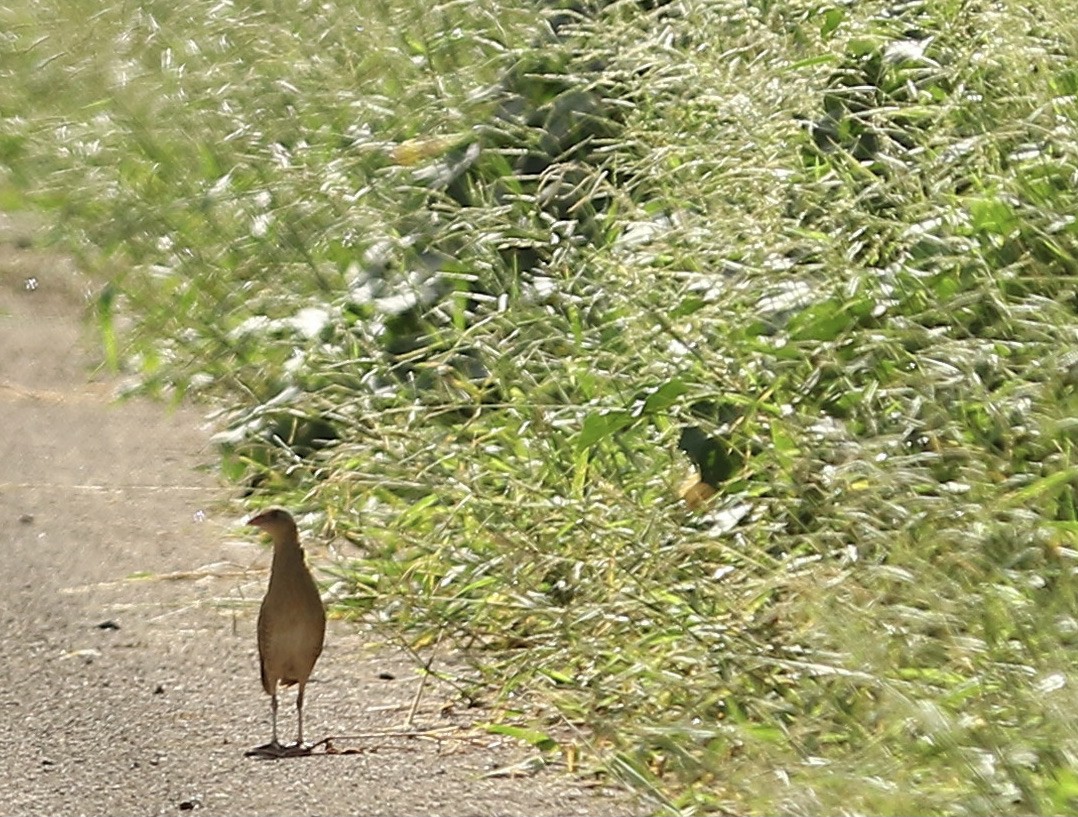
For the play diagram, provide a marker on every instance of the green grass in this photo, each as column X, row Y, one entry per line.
column 461, row 286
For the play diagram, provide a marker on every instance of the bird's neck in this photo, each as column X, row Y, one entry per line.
column 287, row 553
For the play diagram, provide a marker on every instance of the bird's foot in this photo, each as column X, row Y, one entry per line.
column 276, row 750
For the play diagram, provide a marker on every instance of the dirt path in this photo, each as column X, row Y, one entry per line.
column 129, row 695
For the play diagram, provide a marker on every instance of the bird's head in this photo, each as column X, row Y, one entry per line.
column 274, row 521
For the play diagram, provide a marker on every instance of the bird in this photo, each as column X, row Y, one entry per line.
column 291, row 622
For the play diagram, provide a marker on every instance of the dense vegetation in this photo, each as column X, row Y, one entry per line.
column 477, row 285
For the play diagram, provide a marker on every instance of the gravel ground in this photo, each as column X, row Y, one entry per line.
column 128, row 595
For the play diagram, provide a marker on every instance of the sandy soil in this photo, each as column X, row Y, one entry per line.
column 128, row 595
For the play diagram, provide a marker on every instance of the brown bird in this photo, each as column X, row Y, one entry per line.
column 291, row 621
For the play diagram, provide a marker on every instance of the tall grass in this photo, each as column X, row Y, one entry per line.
column 480, row 285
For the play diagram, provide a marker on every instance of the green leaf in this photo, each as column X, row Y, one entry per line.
column 946, row 285
column 537, row 739
column 832, row 19
column 418, row 511
column 1045, row 485
column 688, row 306
column 822, row 321
column 664, row 396
column 782, row 441
column 822, row 59
column 558, row 677
column 829, row 319
column 764, row 732
column 1063, row 791
column 107, row 327
column 233, row 468
column 600, row 425
column 580, row 472
column 991, row 215
column 862, row 46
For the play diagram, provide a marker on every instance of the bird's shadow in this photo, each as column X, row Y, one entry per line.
column 278, row 751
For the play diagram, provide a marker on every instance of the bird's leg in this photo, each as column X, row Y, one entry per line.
column 299, row 714
column 273, row 748
column 273, row 709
